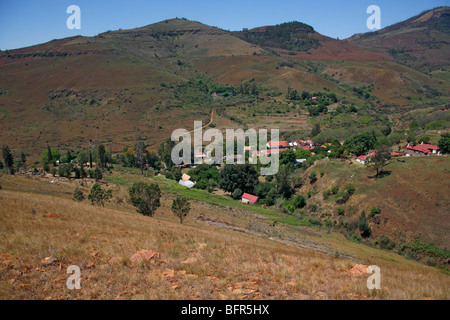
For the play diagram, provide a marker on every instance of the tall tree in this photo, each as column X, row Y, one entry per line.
column 444, row 143
column 90, row 159
column 49, row 154
column 23, row 158
column 315, row 130
column 8, row 158
column 382, row 155
column 101, row 156
column 139, row 154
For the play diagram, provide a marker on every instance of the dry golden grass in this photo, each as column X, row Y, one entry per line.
column 196, row 261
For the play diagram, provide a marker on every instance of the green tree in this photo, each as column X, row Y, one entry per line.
column 287, row 156
column 101, row 156
column 78, row 194
column 23, row 158
column 8, row 158
column 284, row 181
column 145, row 197
column 49, row 154
column 360, row 143
column 99, row 195
column 382, row 155
column 242, row 177
column 165, row 152
column 139, row 154
column 98, row 175
column 237, row 194
column 444, row 143
column 315, row 130
column 181, row 207
column 299, row 202
column 363, row 226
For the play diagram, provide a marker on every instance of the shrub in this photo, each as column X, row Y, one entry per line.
column 363, row 226
column 340, row 211
column 290, row 208
column 237, row 194
column 181, row 207
column 145, row 197
column 99, row 195
column 386, row 243
column 313, row 177
column 374, row 210
column 299, row 202
column 334, row 189
column 326, row 194
column 78, row 194
column 98, row 175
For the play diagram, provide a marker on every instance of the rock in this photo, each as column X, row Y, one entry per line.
column 222, row 297
column 358, row 270
column 190, row 260
column 169, row 273
column 144, row 255
column 51, row 215
column 49, row 260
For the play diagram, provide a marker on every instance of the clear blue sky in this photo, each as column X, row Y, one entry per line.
column 29, row 22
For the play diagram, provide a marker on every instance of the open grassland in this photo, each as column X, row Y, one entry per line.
column 217, row 256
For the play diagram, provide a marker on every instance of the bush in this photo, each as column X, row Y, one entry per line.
column 145, row 197
column 181, row 207
column 334, row 189
column 98, row 175
column 326, row 194
column 386, row 243
column 340, row 211
column 78, row 194
column 363, row 226
column 99, row 195
column 237, row 194
column 313, row 177
column 299, row 202
column 374, row 210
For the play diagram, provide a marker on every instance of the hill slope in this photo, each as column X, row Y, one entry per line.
column 196, row 260
column 422, row 41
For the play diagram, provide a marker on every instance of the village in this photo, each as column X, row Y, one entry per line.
column 279, row 147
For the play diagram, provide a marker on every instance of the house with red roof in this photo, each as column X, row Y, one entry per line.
column 423, row 148
column 246, row 198
column 277, row 144
column 362, row 159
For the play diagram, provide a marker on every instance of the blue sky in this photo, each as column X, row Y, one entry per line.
column 29, row 22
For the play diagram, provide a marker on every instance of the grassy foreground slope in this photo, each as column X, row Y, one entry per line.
column 200, row 259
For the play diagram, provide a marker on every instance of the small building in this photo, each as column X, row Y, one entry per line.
column 246, row 198
column 423, row 148
column 362, row 160
column 185, row 181
column 277, row 144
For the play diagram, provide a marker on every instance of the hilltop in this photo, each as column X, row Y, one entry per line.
column 422, row 42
